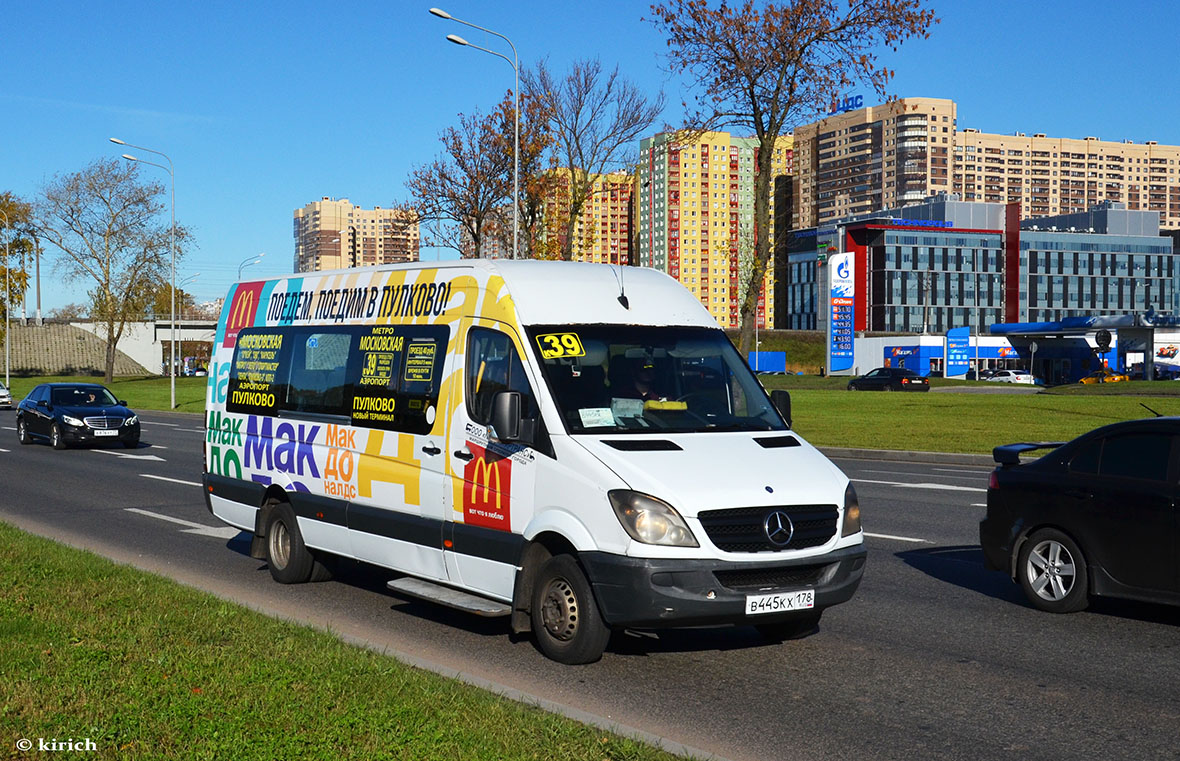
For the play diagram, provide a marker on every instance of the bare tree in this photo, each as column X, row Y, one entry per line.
column 458, row 194
column 769, row 67
column 594, row 117
column 112, row 233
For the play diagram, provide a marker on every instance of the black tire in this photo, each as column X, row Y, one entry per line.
column 289, row 560
column 1052, row 572
column 887, row 388
column 55, row 437
column 792, row 628
column 22, row 432
column 565, row 618
column 853, row 387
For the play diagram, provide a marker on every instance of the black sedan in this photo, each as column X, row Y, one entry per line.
column 75, row 413
column 1095, row 516
column 890, row 379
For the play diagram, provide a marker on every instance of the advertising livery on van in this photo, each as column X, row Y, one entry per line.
column 577, row 447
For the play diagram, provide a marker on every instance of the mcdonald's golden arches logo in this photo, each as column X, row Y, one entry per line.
column 487, row 489
column 242, row 310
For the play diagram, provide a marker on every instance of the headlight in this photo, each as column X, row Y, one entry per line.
column 650, row 520
column 71, row 420
column 131, row 420
column 851, row 512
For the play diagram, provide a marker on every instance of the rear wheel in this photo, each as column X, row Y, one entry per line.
column 289, row 559
column 565, row 618
column 1052, row 572
column 887, row 388
column 794, row 628
column 22, row 432
column 55, row 437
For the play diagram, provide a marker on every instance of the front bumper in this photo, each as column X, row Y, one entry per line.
column 86, row 435
column 652, row 593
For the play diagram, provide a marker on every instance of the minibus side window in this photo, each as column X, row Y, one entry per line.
column 396, row 374
column 255, row 379
column 318, row 381
column 493, row 366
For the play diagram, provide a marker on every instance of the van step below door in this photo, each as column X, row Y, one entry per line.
column 452, row 598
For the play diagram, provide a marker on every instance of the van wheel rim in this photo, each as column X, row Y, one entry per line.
column 280, row 545
column 559, row 610
column 1050, row 570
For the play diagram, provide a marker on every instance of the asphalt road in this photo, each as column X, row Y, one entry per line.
column 934, row 658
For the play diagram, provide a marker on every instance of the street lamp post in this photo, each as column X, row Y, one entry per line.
column 7, row 301
column 248, row 261
column 171, row 244
column 515, row 64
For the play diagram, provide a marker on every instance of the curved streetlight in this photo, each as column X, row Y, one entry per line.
column 514, row 62
column 247, row 262
column 171, row 244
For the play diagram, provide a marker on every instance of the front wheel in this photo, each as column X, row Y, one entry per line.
column 289, row 560
column 22, row 432
column 794, row 628
column 55, row 437
column 1052, row 572
column 565, row 618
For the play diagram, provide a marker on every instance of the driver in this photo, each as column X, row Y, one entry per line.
column 644, row 378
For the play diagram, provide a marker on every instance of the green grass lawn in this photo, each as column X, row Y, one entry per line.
column 147, row 668
column 141, row 393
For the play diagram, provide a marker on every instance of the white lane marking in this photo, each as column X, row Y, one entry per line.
column 979, row 504
column 192, row 430
column 172, row 480
column 947, row 487
column 157, row 446
column 126, row 456
column 976, row 477
column 195, row 528
column 9, row 428
column 983, row 472
column 5, row 450
column 156, row 422
column 899, row 538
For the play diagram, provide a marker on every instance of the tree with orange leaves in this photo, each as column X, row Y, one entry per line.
column 768, row 67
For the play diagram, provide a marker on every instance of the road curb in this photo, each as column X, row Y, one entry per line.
column 895, row 455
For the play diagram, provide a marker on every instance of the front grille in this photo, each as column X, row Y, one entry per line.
column 742, row 529
column 103, row 422
column 770, row 578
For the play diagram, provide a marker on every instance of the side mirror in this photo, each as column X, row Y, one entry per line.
column 782, row 402
column 122, row 402
column 506, row 416
column 42, row 403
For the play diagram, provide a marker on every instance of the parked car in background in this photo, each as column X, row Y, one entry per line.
column 1012, row 376
column 1105, row 375
column 983, row 374
column 890, row 379
column 75, row 413
column 1095, row 516
column 5, row 397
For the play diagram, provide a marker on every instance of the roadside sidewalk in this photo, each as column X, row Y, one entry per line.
column 894, row 455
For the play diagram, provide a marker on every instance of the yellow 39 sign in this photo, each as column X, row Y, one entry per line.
column 556, row 345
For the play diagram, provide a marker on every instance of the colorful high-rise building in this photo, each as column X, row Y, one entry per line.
column 602, row 232
column 335, row 234
column 695, row 209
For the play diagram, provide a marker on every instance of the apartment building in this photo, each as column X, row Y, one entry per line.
column 879, row 157
column 335, row 234
column 873, row 158
column 602, row 232
column 695, row 199
column 1050, row 176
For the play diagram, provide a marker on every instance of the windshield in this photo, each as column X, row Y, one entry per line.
column 83, row 396
column 631, row 379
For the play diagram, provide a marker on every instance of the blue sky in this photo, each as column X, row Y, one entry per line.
column 265, row 107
